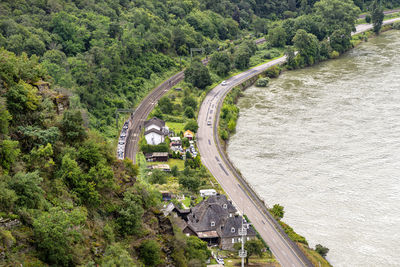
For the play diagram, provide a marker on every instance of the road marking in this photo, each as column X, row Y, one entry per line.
column 216, row 156
column 209, row 142
column 222, row 167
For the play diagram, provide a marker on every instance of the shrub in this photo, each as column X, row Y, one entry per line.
column 368, row 18
column 262, row 82
column 321, row 250
column 158, row 177
column 273, row 72
column 334, row 54
column 192, row 126
column 150, row 253
column 396, row 25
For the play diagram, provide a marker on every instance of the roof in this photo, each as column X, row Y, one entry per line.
column 153, row 131
column 208, row 234
column 175, row 138
column 159, row 154
column 188, row 132
column 160, row 166
column 156, row 121
column 213, row 209
column 235, row 222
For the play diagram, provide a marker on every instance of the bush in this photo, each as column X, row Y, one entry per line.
column 273, row 72
column 368, row 18
column 334, row 54
column 192, row 126
column 396, row 25
column 262, row 82
column 321, row 250
column 150, row 253
column 158, row 177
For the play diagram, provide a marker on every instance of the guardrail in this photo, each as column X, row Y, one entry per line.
column 246, row 186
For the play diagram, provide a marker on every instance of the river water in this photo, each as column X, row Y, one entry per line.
column 324, row 142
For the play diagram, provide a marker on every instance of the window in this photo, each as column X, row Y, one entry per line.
column 225, row 206
column 212, row 223
column 232, row 229
column 233, row 240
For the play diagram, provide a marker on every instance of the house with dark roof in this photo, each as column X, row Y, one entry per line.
column 155, row 131
column 215, row 221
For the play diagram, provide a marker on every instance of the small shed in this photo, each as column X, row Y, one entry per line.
column 157, row 156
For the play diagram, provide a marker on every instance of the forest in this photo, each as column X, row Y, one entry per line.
column 66, row 66
column 109, row 54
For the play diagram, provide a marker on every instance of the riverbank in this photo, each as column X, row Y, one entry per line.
column 327, row 147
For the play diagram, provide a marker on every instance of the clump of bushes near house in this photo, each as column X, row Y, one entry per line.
column 396, row 25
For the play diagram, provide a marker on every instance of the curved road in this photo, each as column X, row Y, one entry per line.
column 233, row 184
column 217, row 163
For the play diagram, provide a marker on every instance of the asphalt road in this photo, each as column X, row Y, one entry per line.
column 237, row 189
column 219, row 166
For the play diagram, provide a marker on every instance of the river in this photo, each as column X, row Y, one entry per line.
column 324, row 142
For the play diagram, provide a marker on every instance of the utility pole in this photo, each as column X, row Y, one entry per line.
column 243, row 233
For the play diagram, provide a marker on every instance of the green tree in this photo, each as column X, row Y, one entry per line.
column 149, row 252
column 130, row 219
column 56, row 233
column 242, row 58
column 190, row 182
column 166, row 105
column 22, row 98
column 253, row 247
column 189, row 112
column 72, row 127
column 198, row 75
column 277, row 37
column 158, row 177
column 220, row 63
column 27, row 187
column 277, row 211
column 307, row 45
column 340, row 41
column 5, row 118
column 376, row 16
column 323, row 251
column 189, row 101
column 197, row 249
column 192, row 126
column 337, row 15
column 9, row 152
column 116, row 255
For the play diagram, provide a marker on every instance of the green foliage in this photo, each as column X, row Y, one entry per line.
column 323, row 251
column 153, row 148
column 273, row 72
column 5, row 118
column 192, row 126
column 243, row 53
column 376, row 16
column 9, row 152
column 368, row 18
column 150, row 252
column 277, row 211
column 340, row 41
column 337, row 15
column 198, row 75
column 253, row 247
column 166, row 106
column 72, row 127
column 157, row 177
column 277, row 37
column 27, row 187
column 189, row 112
column 174, row 171
column 130, row 214
column 189, row 101
column 396, row 25
column 56, row 233
column 21, row 98
column 220, row 63
column 308, row 46
column 292, row 234
column 262, row 82
column 197, row 249
column 189, row 180
column 116, row 255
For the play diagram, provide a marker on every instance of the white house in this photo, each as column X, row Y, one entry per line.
column 155, row 131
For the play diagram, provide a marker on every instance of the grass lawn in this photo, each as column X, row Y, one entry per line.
column 176, row 126
column 171, row 162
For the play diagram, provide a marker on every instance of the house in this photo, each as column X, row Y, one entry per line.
column 230, row 232
column 157, row 156
column 155, row 131
column 188, row 134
